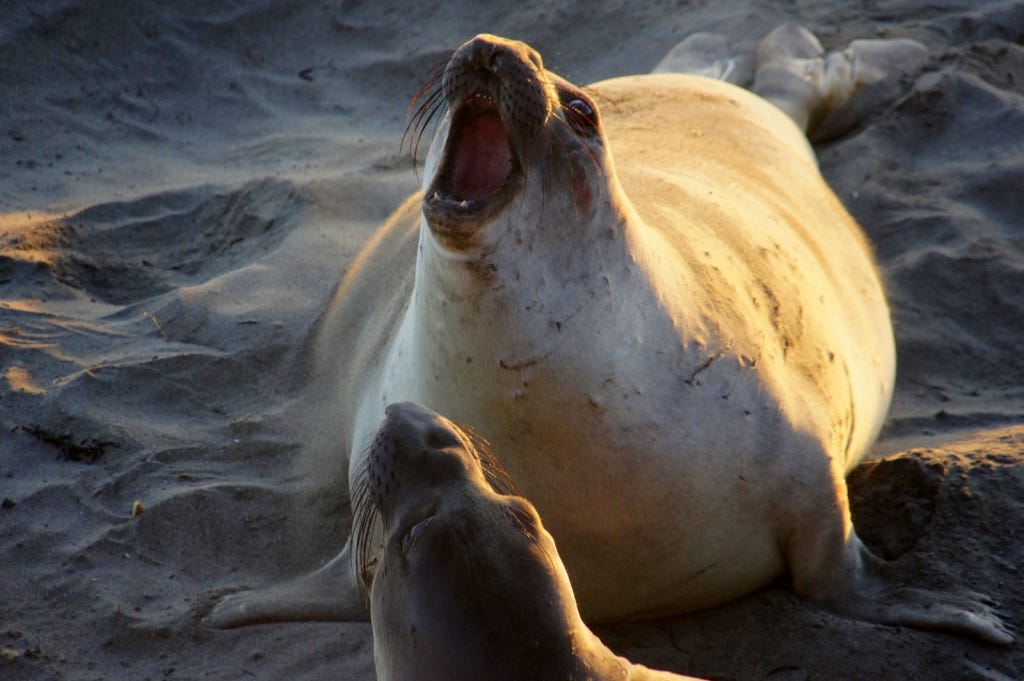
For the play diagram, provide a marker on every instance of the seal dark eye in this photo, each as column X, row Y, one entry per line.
column 580, row 115
column 409, row 540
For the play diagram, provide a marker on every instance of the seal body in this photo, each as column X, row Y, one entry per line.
column 678, row 352
column 467, row 583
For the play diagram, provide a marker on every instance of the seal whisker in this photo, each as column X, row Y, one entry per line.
column 423, row 109
column 516, row 517
column 469, row 562
column 430, row 87
column 365, row 518
column 418, row 128
column 420, row 121
column 495, row 474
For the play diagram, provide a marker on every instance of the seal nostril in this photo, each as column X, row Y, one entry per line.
column 497, row 58
column 484, row 53
column 534, row 56
column 480, row 53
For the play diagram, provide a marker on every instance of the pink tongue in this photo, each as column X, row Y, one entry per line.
column 483, row 159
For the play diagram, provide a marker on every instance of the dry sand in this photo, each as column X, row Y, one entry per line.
column 180, row 188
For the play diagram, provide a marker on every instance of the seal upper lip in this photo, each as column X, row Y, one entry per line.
column 476, row 175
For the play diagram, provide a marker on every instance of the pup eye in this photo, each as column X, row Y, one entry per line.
column 409, row 540
column 580, row 116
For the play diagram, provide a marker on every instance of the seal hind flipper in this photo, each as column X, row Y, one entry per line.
column 709, row 55
column 329, row 594
column 827, row 94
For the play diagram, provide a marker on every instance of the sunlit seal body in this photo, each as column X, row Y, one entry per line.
column 468, row 583
column 678, row 354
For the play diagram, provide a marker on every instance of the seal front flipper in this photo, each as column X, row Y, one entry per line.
column 836, row 570
column 329, row 594
column 874, row 599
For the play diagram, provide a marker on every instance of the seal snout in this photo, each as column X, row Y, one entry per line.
column 411, row 424
column 496, row 55
column 414, row 449
column 498, row 99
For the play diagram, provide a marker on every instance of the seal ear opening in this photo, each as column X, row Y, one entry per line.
column 482, row 160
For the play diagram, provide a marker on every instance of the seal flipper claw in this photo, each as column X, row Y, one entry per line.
column 329, row 594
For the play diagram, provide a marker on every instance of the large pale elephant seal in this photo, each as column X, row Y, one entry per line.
column 679, row 352
column 468, row 584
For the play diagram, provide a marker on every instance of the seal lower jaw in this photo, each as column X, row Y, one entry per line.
column 479, row 173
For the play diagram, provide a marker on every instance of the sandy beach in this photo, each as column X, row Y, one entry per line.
column 180, row 190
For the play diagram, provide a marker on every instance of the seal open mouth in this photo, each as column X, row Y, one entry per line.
column 482, row 159
column 476, row 175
